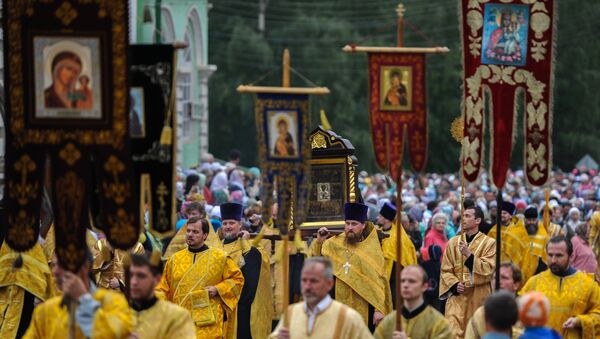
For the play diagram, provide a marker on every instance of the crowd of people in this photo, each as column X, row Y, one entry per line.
column 218, row 276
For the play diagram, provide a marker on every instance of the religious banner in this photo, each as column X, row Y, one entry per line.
column 284, row 151
column 66, row 99
column 508, row 51
column 151, row 105
column 398, row 109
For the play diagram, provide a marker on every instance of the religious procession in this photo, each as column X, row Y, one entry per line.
column 369, row 169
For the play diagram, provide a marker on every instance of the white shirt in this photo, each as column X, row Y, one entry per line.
column 312, row 314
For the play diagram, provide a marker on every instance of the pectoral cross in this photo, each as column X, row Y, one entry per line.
column 346, row 267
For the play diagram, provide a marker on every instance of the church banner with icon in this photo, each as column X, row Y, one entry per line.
column 398, row 109
column 508, row 52
column 151, row 114
column 66, row 99
column 284, row 151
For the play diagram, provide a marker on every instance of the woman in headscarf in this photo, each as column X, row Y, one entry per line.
column 573, row 220
column 436, row 234
column 583, row 258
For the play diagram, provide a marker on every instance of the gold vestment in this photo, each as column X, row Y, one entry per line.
column 110, row 267
column 112, row 320
column 574, row 295
column 460, row 307
column 429, row 324
column 360, row 272
column 164, row 320
column 185, row 276
column 388, row 245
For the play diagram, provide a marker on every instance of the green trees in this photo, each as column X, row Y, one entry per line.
column 316, row 30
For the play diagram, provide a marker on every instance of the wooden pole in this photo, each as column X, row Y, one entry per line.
column 498, row 237
column 398, row 287
column 285, row 263
column 286, row 68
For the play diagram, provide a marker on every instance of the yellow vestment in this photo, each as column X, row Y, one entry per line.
column 514, row 241
column 50, row 242
column 164, row 320
column 112, row 320
column 388, row 245
column 185, row 276
column 460, row 307
column 33, row 276
column 178, row 242
column 429, row 324
column 336, row 321
column 360, row 272
column 595, row 239
column 574, row 295
column 261, row 313
column 476, row 328
column 110, row 267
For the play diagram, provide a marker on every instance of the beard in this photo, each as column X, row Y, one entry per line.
column 557, row 269
column 310, row 298
column 352, row 238
column 230, row 236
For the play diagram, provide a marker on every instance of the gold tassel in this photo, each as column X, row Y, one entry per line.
column 324, row 121
column 166, row 136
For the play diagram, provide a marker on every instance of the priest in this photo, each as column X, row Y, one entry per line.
column 467, row 268
column 358, row 265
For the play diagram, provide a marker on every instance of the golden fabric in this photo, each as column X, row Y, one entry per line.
column 107, row 268
column 476, row 327
column 388, row 245
column 595, row 239
column 336, row 321
column 34, row 276
column 460, row 308
column 178, row 242
column 164, row 320
column 575, row 295
column 360, row 272
column 112, row 320
column 50, row 243
column 429, row 324
column 261, row 312
column 514, row 241
column 183, row 281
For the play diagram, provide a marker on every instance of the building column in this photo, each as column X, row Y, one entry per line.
column 204, row 73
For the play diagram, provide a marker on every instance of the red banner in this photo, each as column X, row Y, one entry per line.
column 398, row 105
column 507, row 50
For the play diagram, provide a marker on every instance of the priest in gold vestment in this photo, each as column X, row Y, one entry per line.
column 99, row 313
column 466, row 273
column 358, row 265
column 419, row 320
column 319, row 316
column 386, row 218
column 25, row 277
column 153, row 318
column 574, row 296
column 203, row 280
column 108, row 264
column 255, row 308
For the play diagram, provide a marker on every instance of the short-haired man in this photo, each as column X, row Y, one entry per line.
column 574, row 296
column 467, row 268
column 255, row 308
column 194, row 210
column 418, row 319
column 99, row 313
column 501, row 313
column 154, row 318
column 511, row 281
column 204, row 281
column 387, row 220
column 358, row 265
column 319, row 316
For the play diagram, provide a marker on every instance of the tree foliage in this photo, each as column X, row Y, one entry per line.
column 315, row 30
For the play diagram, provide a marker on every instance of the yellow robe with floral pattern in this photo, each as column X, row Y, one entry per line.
column 261, row 312
column 113, row 320
column 574, row 295
column 183, row 281
column 365, row 282
column 33, row 276
column 164, row 320
column 460, row 308
column 429, row 324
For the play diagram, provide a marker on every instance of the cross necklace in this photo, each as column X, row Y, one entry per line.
column 347, row 265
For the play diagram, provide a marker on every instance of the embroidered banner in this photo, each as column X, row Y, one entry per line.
column 398, row 109
column 66, row 97
column 507, row 50
column 284, row 151
column 152, row 112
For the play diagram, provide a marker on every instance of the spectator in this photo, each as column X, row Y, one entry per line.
column 583, row 257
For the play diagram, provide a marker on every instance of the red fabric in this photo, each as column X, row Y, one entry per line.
column 388, row 126
column 435, row 237
column 503, row 91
